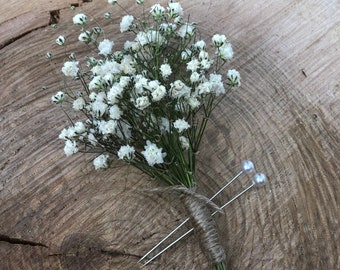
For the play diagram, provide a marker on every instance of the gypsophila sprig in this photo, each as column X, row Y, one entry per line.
column 146, row 103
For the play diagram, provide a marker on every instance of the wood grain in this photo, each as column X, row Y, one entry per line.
column 285, row 117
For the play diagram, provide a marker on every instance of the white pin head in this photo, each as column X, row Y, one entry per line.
column 259, row 179
column 247, row 166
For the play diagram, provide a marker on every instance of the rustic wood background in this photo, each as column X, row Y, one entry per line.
column 58, row 213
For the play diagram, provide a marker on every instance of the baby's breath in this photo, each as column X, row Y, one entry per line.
column 146, row 103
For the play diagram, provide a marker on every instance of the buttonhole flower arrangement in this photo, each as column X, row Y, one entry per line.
column 146, row 103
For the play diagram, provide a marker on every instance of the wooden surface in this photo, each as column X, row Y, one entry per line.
column 58, row 213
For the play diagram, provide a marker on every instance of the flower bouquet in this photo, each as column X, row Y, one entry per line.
column 148, row 102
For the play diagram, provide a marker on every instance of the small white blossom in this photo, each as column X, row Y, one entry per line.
column 181, row 125
column 70, row 68
column 234, row 78
column 216, row 84
column 68, row 133
column 175, row 10
column 186, row 54
column 105, row 47
column 60, row 40
column 127, row 65
column 112, row 2
column 219, row 40
column 225, row 52
column 184, row 142
column 186, row 30
column 58, row 97
column 99, row 108
column 70, row 148
column 142, row 102
column 179, row 89
column 85, row 37
column 165, row 70
column 95, row 83
column 101, row 162
column 115, row 112
column 80, row 19
column 157, row 11
column 200, row 45
column 79, row 127
column 78, row 104
column 107, row 127
column 195, row 77
column 153, row 154
column 115, row 92
column 193, row 65
column 158, row 93
column 193, row 102
column 204, row 88
column 126, row 152
column 126, row 23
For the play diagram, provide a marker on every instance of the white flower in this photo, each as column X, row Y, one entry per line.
column 158, row 93
column 195, row 77
column 127, row 65
column 142, row 38
column 58, row 97
column 80, row 19
column 219, row 40
column 234, row 78
column 78, row 104
column 114, row 93
column 70, row 68
column 126, row 152
column 186, row 54
column 124, row 81
column 175, row 10
column 107, row 127
column 165, row 70
column 155, row 37
column 142, row 102
column 60, row 40
column 99, row 108
column 153, row 154
column 70, row 147
column 203, row 55
column 101, row 162
column 85, row 37
column 186, row 30
column 157, row 11
column 216, row 84
column 79, row 127
column 184, row 142
column 179, row 89
column 193, row 102
column 200, row 45
column 126, row 23
column 225, row 52
column 193, row 65
column 112, row 2
column 115, row 112
column 181, row 125
column 204, row 88
column 105, row 47
column 95, row 83
column 67, row 133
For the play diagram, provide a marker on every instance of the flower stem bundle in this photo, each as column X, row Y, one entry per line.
column 148, row 102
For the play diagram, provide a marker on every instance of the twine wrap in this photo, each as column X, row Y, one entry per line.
column 202, row 221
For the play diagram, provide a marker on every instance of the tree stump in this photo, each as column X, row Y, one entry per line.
column 59, row 213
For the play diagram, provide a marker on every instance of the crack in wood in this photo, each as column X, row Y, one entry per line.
column 18, row 241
